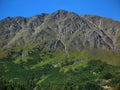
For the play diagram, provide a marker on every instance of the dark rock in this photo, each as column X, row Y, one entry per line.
column 50, row 30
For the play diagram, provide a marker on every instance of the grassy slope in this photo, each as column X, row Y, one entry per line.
column 57, row 68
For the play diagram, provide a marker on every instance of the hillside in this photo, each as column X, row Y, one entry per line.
column 59, row 51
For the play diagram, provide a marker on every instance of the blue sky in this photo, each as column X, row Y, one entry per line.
column 28, row 8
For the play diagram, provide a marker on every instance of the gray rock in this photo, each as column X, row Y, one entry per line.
column 60, row 30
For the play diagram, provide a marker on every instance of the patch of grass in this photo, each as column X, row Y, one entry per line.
column 75, row 69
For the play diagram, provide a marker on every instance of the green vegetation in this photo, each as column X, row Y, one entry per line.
column 59, row 51
column 52, row 70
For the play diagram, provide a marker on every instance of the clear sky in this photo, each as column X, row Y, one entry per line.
column 28, row 8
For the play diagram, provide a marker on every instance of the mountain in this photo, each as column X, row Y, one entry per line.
column 62, row 44
column 61, row 29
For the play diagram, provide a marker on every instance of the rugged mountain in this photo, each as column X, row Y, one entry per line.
column 59, row 51
column 61, row 29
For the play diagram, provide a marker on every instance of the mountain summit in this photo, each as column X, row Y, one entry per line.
column 61, row 29
column 59, row 51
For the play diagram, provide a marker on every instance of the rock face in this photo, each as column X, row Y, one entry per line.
column 60, row 30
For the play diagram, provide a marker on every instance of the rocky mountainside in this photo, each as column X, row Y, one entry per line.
column 60, row 30
column 59, row 51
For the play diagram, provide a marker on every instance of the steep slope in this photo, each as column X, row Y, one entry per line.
column 67, row 28
column 59, row 51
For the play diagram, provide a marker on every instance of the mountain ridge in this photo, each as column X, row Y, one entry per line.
column 94, row 31
column 59, row 51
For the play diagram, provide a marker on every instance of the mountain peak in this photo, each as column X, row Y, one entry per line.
column 72, row 30
column 62, row 14
column 61, row 11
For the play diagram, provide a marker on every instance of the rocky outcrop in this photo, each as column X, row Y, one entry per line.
column 61, row 30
